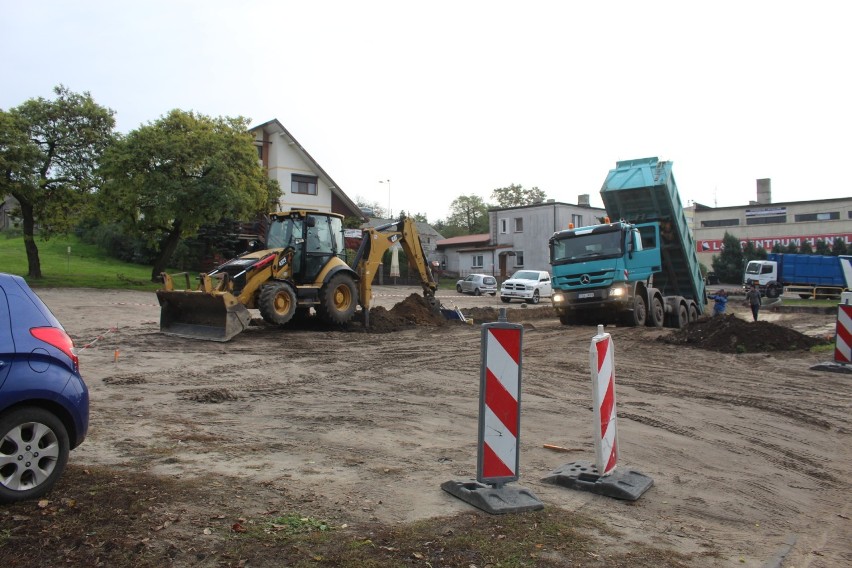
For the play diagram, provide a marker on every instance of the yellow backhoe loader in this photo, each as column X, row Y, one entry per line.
column 302, row 267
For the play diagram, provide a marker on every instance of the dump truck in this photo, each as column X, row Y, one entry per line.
column 639, row 265
column 808, row 275
column 301, row 267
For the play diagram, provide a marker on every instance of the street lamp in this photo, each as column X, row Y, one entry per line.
column 387, row 181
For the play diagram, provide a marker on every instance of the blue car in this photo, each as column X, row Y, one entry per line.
column 44, row 403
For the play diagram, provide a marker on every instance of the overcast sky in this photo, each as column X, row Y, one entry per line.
column 449, row 98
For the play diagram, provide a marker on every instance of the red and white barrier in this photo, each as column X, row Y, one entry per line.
column 500, row 402
column 843, row 343
column 602, row 365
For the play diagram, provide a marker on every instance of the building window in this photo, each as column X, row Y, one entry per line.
column 720, row 223
column 519, row 224
column 477, row 261
column 259, row 151
column 504, row 226
column 766, row 220
column 519, row 258
column 577, row 220
column 832, row 216
column 306, row 185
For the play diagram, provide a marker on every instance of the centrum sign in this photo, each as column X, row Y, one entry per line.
column 715, row 245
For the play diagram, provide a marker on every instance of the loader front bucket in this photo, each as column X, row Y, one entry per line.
column 201, row 315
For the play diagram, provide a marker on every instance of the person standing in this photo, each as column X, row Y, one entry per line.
column 720, row 300
column 753, row 299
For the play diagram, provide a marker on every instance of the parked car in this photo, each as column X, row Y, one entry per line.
column 477, row 284
column 527, row 285
column 44, row 403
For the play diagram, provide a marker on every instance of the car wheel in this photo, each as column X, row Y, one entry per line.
column 505, row 300
column 458, row 288
column 535, row 299
column 477, row 292
column 493, row 293
column 34, row 449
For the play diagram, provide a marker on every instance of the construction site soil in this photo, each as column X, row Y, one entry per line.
column 193, row 444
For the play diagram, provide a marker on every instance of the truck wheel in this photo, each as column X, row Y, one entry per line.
column 338, row 299
column 680, row 318
column 693, row 313
column 773, row 291
column 535, row 299
column 566, row 319
column 640, row 311
column 277, row 303
column 657, row 314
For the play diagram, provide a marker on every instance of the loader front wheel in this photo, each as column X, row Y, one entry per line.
column 277, row 303
column 338, row 299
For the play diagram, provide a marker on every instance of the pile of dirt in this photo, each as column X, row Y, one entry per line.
column 412, row 311
column 730, row 334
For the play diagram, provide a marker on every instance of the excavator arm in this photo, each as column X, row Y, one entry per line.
column 376, row 241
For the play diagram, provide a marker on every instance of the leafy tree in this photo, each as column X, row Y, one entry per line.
column 791, row 248
column 168, row 178
column 515, row 196
column 806, row 248
column 822, row 247
column 728, row 265
column 777, row 248
column 379, row 212
column 468, row 216
column 49, row 151
column 839, row 247
column 751, row 252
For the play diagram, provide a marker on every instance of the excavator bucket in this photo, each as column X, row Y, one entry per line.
column 215, row 316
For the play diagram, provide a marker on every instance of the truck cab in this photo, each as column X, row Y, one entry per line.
column 604, row 267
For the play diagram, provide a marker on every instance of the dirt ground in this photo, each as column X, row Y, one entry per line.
column 749, row 448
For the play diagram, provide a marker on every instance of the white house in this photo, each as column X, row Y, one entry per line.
column 304, row 184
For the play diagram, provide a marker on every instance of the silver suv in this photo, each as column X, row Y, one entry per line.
column 477, row 284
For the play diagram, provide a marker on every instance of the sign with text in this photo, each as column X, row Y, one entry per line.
column 715, row 245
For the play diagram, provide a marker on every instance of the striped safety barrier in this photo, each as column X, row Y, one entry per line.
column 843, row 343
column 499, row 403
column 601, row 362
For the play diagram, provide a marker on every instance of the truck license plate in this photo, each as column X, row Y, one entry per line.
column 586, row 295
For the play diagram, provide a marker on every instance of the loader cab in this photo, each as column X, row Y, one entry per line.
column 315, row 238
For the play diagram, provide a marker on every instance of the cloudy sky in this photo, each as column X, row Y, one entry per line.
column 449, row 98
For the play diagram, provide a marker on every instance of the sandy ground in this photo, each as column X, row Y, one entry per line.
column 750, row 453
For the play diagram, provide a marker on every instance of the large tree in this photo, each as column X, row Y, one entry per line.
column 49, row 151
column 729, row 264
column 468, row 216
column 515, row 196
column 168, row 178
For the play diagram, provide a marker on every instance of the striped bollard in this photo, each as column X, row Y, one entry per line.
column 842, row 362
column 498, row 457
column 602, row 477
column 843, row 341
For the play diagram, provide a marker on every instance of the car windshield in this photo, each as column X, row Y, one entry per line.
column 525, row 275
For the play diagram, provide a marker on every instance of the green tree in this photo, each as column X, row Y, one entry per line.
column 728, row 265
column 806, row 248
column 49, row 151
column 822, row 247
column 515, row 196
column 379, row 212
column 791, row 248
column 839, row 247
column 468, row 216
column 168, row 178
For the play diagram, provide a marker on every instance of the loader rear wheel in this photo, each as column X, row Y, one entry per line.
column 277, row 303
column 338, row 299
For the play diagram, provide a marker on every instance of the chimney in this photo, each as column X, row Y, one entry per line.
column 583, row 200
column 764, row 191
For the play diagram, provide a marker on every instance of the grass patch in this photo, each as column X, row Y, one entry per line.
column 85, row 266
column 823, row 348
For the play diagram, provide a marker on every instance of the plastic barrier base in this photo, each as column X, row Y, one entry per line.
column 496, row 500
column 625, row 484
column 833, row 367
